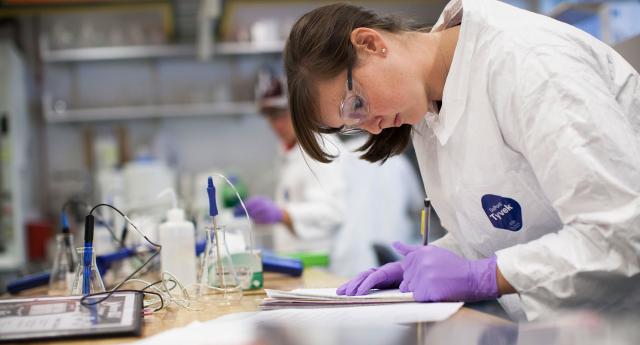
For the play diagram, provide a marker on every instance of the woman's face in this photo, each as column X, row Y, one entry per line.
column 389, row 85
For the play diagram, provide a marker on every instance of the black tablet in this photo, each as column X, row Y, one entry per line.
column 37, row 318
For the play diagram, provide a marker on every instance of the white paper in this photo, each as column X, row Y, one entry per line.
column 239, row 328
column 397, row 313
column 330, row 294
column 217, row 331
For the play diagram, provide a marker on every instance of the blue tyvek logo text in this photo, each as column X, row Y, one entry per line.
column 504, row 213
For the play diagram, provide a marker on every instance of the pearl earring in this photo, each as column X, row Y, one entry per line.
column 383, row 50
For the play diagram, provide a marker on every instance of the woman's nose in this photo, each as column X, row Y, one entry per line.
column 372, row 125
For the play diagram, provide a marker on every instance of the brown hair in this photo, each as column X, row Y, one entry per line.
column 319, row 46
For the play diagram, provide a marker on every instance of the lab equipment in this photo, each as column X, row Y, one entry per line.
column 213, row 205
column 436, row 274
column 246, row 259
column 64, row 265
column 87, row 277
column 104, row 262
column 220, row 281
column 39, row 318
column 270, row 263
column 143, row 178
column 290, row 266
column 177, row 237
column 28, row 282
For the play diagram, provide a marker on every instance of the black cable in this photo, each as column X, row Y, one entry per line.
column 84, row 303
column 111, row 206
column 114, row 238
column 126, row 218
column 115, row 289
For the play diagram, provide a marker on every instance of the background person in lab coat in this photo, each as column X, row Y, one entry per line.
column 527, row 135
column 384, row 203
column 309, row 205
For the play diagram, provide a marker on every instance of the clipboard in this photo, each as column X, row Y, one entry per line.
column 63, row 317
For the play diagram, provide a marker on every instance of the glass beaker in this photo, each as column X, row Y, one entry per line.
column 219, row 283
column 87, row 268
column 64, row 266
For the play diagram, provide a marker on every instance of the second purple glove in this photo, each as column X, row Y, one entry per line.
column 387, row 276
column 435, row 274
column 263, row 210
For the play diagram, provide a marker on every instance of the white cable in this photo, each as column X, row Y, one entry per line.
column 246, row 213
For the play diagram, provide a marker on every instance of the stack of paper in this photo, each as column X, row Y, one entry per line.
column 302, row 298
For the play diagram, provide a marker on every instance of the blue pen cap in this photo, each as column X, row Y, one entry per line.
column 211, row 190
column 65, row 223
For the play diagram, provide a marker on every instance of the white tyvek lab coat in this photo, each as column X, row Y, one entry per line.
column 314, row 195
column 535, row 156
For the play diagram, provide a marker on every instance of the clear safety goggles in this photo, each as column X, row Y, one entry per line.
column 354, row 108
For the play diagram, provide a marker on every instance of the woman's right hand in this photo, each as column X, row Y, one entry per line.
column 385, row 277
column 388, row 276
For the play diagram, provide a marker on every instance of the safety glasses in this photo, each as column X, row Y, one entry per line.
column 354, row 108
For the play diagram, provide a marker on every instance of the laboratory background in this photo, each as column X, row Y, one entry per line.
column 114, row 101
column 144, row 105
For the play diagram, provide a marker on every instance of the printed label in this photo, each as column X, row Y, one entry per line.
column 504, row 213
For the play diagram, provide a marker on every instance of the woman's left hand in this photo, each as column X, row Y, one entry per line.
column 435, row 274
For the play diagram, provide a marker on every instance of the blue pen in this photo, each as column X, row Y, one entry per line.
column 88, row 254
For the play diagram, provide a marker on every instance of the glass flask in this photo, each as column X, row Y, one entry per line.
column 64, row 266
column 219, row 281
column 87, row 267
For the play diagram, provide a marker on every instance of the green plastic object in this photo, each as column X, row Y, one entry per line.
column 229, row 198
column 310, row 259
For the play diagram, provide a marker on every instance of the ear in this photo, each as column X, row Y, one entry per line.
column 368, row 41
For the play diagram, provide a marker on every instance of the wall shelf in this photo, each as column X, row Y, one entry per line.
column 150, row 111
column 157, row 51
column 575, row 12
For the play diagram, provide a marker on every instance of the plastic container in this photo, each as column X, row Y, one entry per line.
column 178, row 253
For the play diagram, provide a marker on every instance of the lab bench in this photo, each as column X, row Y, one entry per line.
column 170, row 318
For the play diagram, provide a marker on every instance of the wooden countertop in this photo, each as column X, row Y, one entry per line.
column 173, row 317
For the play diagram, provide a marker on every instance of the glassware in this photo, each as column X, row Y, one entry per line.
column 64, row 266
column 219, row 281
column 87, row 268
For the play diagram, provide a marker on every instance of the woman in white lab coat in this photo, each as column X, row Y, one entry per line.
column 527, row 135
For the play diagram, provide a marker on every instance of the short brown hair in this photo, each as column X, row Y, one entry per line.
column 319, row 47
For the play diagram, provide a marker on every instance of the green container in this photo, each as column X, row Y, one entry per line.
column 229, row 197
column 310, row 259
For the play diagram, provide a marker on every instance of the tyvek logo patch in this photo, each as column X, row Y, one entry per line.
column 504, row 213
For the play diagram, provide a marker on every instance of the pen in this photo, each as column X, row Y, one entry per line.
column 424, row 221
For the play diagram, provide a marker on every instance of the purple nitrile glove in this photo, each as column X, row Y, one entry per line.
column 435, row 274
column 264, row 211
column 385, row 277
